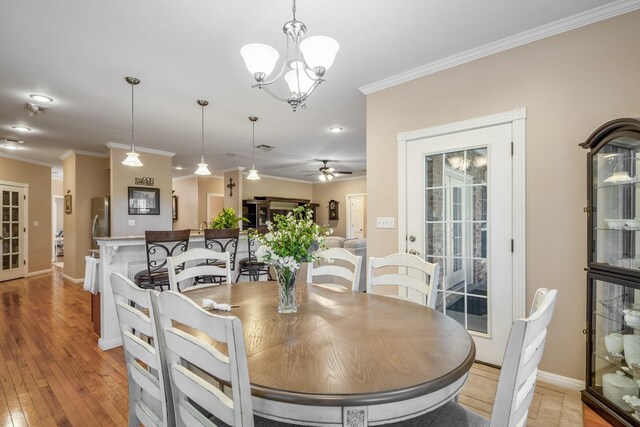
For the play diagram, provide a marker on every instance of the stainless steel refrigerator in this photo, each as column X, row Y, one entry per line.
column 100, row 219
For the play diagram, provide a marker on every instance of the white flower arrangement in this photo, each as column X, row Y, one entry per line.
column 291, row 239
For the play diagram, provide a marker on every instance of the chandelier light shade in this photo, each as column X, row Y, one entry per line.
column 253, row 173
column 307, row 61
column 202, row 166
column 133, row 158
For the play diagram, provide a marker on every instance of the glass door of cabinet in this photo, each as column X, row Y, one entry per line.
column 616, row 203
column 613, row 360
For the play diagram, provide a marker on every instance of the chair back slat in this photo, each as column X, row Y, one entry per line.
column 133, row 319
column 197, row 263
column 190, row 355
column 210, row 398
column 197, row 353
column 412, row 273
column 349, row 270
column 146, row 370
column 525, row 347
column 223, row 240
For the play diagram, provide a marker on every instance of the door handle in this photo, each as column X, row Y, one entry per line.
column 414, row 252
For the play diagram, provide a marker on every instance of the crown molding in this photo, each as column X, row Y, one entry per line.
column 193, row 175
column 140, row 149
column 23, row 159
column 70, row 153
column 234, row 169
column 576, row 21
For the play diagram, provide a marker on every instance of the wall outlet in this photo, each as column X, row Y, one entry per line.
column 35, row 223
column 385, row 222
column 132, row 222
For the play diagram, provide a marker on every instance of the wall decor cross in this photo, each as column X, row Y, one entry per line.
column 230, row 186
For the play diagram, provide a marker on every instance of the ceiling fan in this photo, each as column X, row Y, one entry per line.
column 327, row 173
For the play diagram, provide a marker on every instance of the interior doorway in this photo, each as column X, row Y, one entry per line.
column 13, row 231
column 356, row 216
column 57, row 227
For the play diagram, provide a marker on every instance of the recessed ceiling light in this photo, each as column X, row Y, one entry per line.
column 41, row 98
column 21, row 128
column 178, row 168
column 335, row 129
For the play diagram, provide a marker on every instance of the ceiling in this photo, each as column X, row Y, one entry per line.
column 79, row 51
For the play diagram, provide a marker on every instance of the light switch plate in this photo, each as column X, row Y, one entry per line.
column 36, row 223
column 132, row 222
column 385, row 222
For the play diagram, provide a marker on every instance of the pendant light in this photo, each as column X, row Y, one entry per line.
column 253, row 173
column 132, row 157
column 202, row 166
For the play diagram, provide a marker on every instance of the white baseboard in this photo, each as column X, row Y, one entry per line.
column 559, row 380
column 37, row 273
column 72, row 279
column 108, row 345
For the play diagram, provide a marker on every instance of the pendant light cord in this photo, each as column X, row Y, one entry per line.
column 294, row 10
column 203, row 133
column 133, row 145
column 253, row 144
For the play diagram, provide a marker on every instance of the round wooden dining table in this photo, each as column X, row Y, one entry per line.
column 345, row 358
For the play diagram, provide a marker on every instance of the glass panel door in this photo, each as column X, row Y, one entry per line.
column 11, row 240
column 456, row 233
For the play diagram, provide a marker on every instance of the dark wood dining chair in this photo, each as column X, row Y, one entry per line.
column 160, row 245
column 251, row 266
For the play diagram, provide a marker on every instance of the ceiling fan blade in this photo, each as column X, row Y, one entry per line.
column 342, row 172
column 311, row 174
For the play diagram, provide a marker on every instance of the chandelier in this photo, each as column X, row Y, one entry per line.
column 307, row 61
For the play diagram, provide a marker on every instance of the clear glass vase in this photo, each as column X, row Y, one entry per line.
column 286, row 289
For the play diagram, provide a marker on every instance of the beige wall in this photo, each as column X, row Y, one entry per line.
column 86, row 177
column 570, row 84
column 276, row 188
column 234, row 201
column 155, row 166
column 187, row 192
column 337, row 190
column 207, row 185
column 39, row 204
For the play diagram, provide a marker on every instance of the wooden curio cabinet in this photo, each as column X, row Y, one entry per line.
column 613, row 272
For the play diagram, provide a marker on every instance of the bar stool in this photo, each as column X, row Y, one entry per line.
column 160, row 245
column 250, row 266
column 220, row 240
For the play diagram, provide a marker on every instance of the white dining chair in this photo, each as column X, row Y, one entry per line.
column 193, row 362
column 198, row 263
column 346, row 269
column 405, row 271
column 150, row 400
column 517, row 380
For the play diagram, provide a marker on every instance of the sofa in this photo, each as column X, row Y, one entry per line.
column 355, row 246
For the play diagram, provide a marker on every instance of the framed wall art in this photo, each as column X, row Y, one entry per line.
column 144, row 201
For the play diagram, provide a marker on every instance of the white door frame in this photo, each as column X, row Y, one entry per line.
column 517, row 120
column 347, row 210
column 25, row 216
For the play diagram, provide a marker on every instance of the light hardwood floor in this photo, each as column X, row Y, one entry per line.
column 52, row 372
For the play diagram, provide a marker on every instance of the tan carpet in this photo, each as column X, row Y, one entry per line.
column 551, row 406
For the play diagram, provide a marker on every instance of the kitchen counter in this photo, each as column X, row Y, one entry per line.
column 127, row 255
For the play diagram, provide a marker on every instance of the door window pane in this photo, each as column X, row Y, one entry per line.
column 14, row 214
column 14, row 198
column 6, row 264
column 14, row 261
column 433, row 171
column 477, row 165
column 5, row 198
column 5, row 246
column 435, row 239
column 15, row 245
column 435, row 204
column 477, row 314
